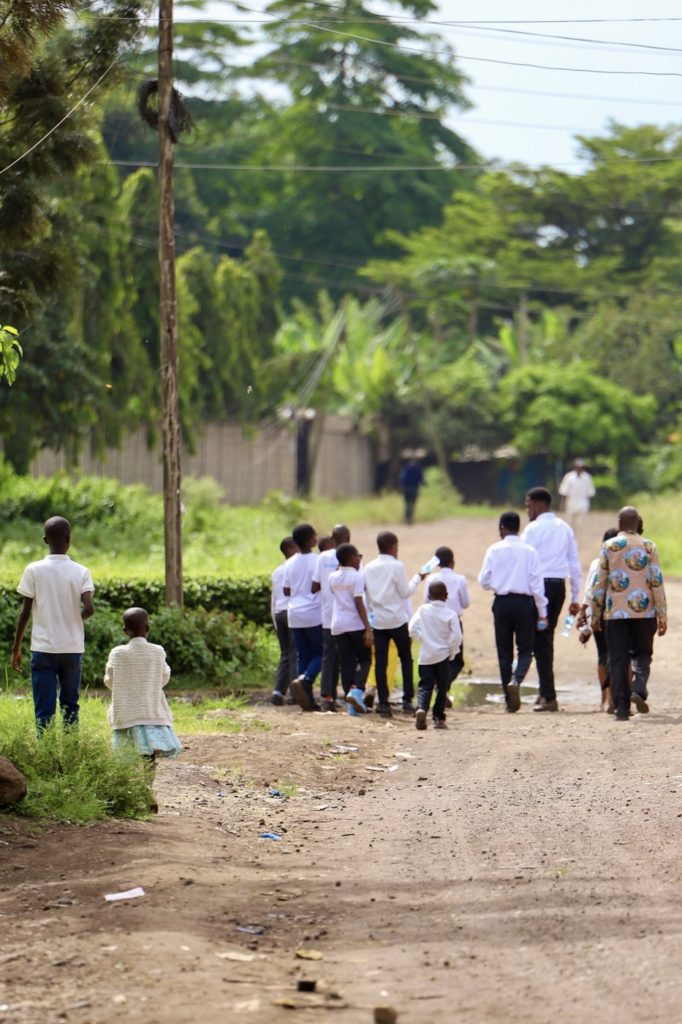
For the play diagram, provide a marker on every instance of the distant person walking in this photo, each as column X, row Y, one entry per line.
column 57, row 593
column 411, row 479
column 576, row 490
column 512, row 570
column 628, row 601
column 554, row 542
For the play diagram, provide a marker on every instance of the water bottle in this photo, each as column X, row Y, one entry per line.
column 370, row 619
column 568, row 625
column 433, row 563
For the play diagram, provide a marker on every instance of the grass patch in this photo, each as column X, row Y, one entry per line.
column 73, row 775
column 661, row 516
column 219, row 715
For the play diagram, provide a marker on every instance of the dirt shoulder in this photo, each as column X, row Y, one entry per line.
column 516, row 868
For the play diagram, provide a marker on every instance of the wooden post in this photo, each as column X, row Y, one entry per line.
column 170, row 410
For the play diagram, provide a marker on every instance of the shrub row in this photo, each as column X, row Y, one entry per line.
column 214, row 639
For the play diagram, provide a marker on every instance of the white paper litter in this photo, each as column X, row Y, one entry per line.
column 129, row 894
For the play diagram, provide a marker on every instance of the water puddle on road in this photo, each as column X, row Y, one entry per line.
column 487, row 690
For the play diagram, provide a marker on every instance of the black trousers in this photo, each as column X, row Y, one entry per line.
column 434, row 676
column 329, row 673
column 286, row 670
column 401, row 637
column 515, row 617
column 457, row 663
column 410, row 495
column 543, row 645
column 355, row 659
column 629, row 640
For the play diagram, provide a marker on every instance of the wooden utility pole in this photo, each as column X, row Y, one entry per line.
column 170, row 409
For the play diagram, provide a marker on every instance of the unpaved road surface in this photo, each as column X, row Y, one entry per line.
column 514, row 868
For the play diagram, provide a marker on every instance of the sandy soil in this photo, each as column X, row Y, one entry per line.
column 519, row 868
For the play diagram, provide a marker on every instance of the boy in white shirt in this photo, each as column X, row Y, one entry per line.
column 350, row 626
column 327, row 563
column 279, row 602
column 437, row 628
column 457, row 600
column 304, row 615
column 57, row 592
column 387, row 589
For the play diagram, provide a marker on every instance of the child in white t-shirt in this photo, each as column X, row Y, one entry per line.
column 57, row 594
column 136, row 674
column 327, row 563
column 279, row 602
column 350, row 625
column 305, row 615
column 458, row 599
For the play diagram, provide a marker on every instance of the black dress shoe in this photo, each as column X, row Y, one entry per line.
column 547, row 705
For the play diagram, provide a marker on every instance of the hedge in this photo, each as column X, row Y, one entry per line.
column 211, row 640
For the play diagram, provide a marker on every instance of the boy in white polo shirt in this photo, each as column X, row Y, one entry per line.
column 279, row 602
column 57, row 593
column 388, row 589
column 305, row 615
column 350, row 625
column 437, row 628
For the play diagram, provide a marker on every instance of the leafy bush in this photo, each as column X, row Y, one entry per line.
column 247, row 597
column 73, row 774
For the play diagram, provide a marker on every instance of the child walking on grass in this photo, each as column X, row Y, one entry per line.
column 136, row 674
column 437, row 628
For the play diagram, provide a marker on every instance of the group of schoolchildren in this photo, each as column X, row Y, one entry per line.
column 331, row 613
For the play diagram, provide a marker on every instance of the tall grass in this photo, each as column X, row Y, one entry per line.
column 73, row 774
column 661, row 516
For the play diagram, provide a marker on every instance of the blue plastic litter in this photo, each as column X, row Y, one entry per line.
column 269, row 835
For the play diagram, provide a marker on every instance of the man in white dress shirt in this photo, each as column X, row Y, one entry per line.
column 576, row 490
column 512, row 569
column 554, row 542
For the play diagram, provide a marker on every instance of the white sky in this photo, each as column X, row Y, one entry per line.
column 618, row 96
column 497, row 90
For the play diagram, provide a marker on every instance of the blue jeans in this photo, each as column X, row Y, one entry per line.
column 308, row 640
column 53, row 674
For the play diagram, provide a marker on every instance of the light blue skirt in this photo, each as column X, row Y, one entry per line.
column 149, row 739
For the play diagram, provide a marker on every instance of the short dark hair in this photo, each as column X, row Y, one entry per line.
column 345, row 552
column 56, row 529
column 445, row 556
column 287, row 544
column 510, row 521
column 609, row 534
column 540, row 494
column 341, row 534
column 303, row 534
column 438, row 591
column 386, row 540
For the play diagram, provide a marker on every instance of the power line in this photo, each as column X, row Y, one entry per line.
column 59, row 123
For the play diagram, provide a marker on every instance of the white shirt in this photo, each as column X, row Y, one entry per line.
column 458, row 591
column 554, row 542
column 387, row 589
column 136, row 673
column 591, row 579
column 304, row 608
column 512, row 567
column 345, row 584
column 437, row 628
column 279, row 602
column 56, row 584
column 577, row 489
column 327, row 562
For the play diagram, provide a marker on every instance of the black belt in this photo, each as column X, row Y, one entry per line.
column 555, row 579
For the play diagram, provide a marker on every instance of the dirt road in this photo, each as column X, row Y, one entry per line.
column 516, row 868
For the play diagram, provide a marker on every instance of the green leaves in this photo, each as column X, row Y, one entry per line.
column 10, row 353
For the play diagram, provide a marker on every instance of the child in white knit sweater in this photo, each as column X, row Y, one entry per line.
column 136, row 674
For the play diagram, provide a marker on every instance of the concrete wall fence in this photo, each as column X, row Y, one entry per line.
column 247, row 464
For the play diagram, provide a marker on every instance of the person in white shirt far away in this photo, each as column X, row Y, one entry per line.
column 576, row 490
column 136, row 674
column 350, row 626
column 554, row 541
column 57, row 593
column 387, row 590
column 286, row 669
column 305, row 615
column 511, row 569
column 458, row 599
column 437, row 628
column 327, row 563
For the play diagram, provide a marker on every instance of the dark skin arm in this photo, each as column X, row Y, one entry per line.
column 22, row 623
column 369, row 635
